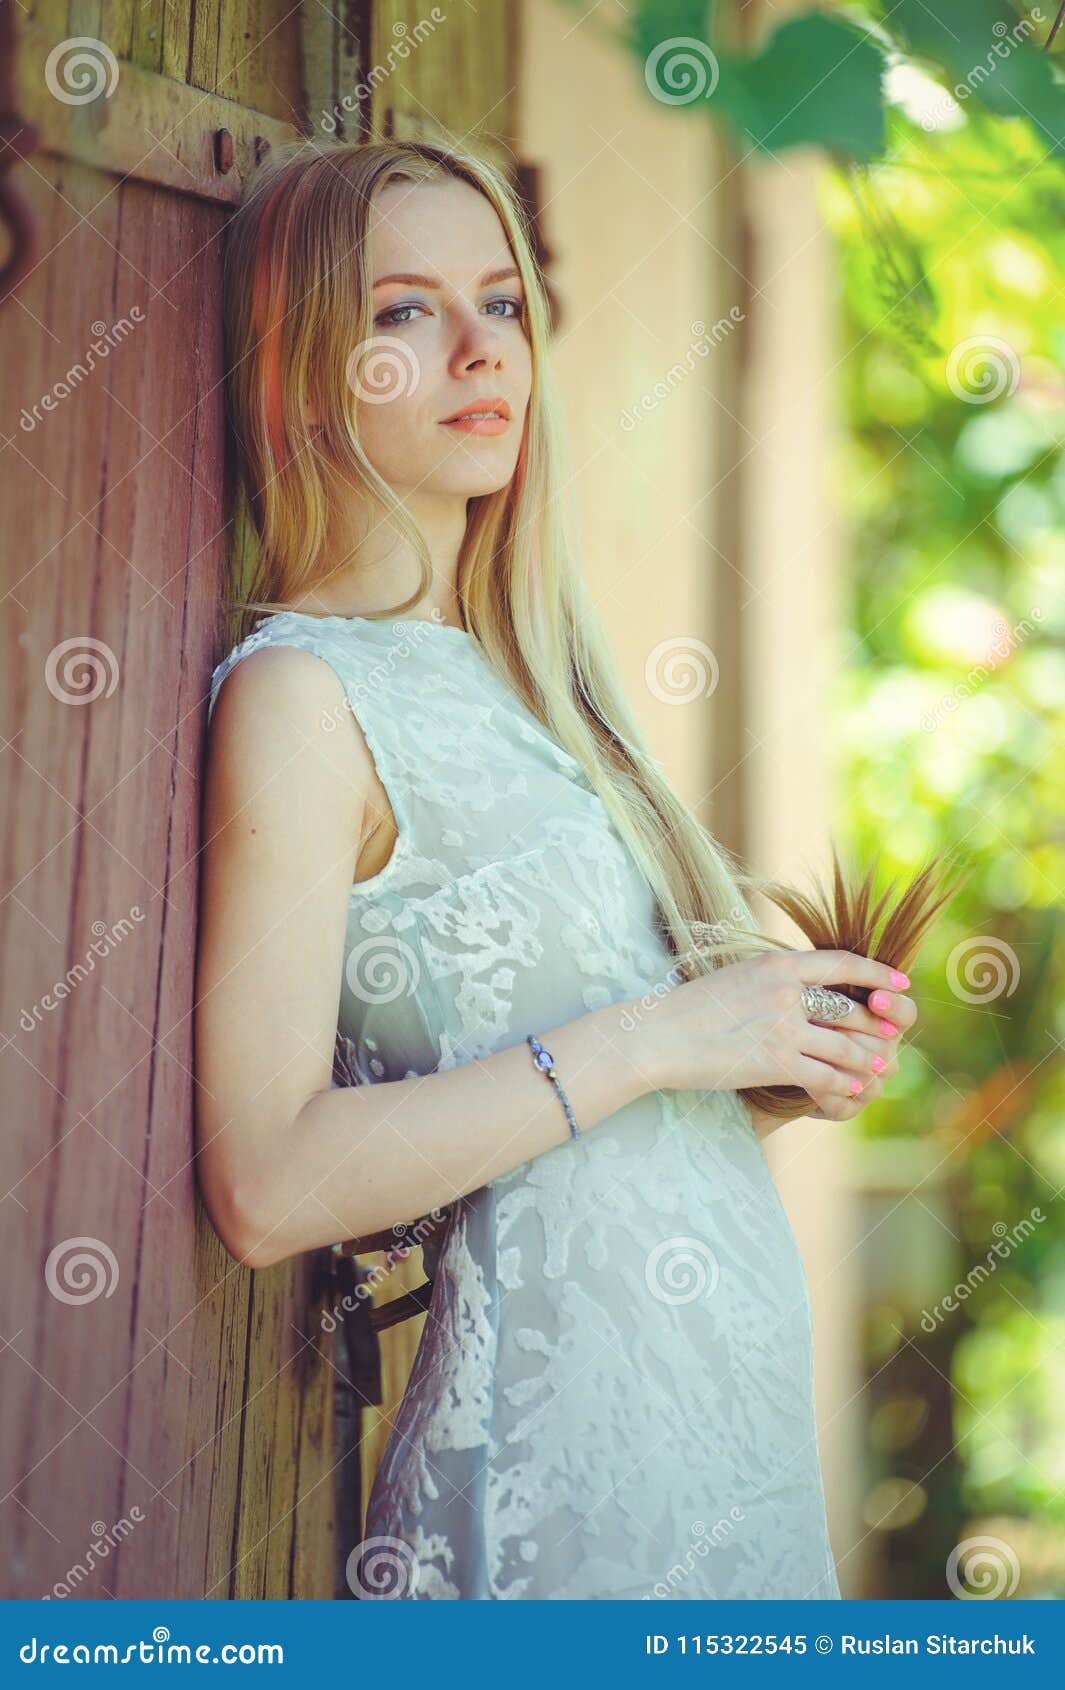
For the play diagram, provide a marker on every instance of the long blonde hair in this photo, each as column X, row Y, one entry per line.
column 298, row 297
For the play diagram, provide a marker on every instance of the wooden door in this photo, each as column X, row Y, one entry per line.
column 168, row 1415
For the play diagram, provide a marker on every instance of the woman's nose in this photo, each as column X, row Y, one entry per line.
column 479, row 344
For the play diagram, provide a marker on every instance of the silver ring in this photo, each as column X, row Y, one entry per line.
column 821, row 1003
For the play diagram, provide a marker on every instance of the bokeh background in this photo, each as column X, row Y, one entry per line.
column 807, row 271
column 885, row 607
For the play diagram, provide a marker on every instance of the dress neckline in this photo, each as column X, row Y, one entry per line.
column 389, row 622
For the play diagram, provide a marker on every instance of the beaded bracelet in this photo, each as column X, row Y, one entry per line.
column 546, row 1063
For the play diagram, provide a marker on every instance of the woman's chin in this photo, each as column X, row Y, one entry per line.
column 473, row 483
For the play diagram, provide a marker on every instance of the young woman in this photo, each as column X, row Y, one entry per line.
column 435, row 835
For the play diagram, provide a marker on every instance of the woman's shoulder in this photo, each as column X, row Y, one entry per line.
column 417, row 691
column 284, row 705
column 346, row 654
column 283, row 630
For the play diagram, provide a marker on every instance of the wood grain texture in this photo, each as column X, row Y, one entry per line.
column 167, row 1428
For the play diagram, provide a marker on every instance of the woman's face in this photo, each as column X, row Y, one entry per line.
column 448, row 336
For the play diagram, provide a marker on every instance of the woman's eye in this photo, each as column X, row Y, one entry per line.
column 516, row 303
column 391, row 317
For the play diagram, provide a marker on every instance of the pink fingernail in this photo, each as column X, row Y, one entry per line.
column 856, row 1086
column 878, row 1064
column 879, row 1000
column 899, row 981
column 889, row 1029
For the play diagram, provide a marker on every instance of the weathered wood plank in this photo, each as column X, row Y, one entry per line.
column 40, row 867
column 133, row 1404
column 259, row 58
column 152, row 129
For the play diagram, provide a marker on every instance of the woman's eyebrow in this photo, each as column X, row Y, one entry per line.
column 412, row 279
column 409, row 277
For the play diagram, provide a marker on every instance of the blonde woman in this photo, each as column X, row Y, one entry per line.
column 465, row 955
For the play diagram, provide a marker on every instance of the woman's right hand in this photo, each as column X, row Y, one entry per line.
column 744, row 1025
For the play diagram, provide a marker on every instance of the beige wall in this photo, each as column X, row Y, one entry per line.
column 791, row 649
column 639, row 213
column 635, row 267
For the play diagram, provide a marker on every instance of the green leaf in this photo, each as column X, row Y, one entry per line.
column 657, row 21
column 990, row 55
column 816, row 83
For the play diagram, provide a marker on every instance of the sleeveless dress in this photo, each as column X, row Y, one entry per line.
column 612, row 1396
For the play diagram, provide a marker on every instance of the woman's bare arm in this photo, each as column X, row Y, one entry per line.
column 287, row 1161
column 360, row 1159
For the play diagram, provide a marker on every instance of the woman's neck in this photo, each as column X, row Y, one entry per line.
column 375, row 568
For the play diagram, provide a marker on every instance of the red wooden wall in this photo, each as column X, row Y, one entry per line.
column 168, row 1417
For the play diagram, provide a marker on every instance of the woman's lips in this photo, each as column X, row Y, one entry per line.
column 479, row 425
column 475, row 416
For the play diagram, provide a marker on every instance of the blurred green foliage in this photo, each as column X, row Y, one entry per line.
column 816, row 78
column 943, row 122
column 950, row 732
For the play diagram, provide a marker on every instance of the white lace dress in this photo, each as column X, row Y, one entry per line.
column 613, row 1392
